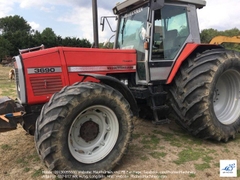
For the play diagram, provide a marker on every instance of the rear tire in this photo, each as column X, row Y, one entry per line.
column 205, row 95
column 84, row 127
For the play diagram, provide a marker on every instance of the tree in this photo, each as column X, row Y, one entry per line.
column 5, row 48
column 75, row 42
column 207, row 35
column 12, row 24
column 49, row 38
column 16, row 30
column 16, row 33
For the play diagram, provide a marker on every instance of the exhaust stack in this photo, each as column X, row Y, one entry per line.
column 95, row 23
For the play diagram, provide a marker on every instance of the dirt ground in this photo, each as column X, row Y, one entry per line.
column 156, row 152
column 146, row 158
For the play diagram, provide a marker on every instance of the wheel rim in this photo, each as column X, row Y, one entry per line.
column 226, row 98
column 93, row 134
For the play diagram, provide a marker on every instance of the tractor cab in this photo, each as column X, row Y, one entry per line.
column 159, row 31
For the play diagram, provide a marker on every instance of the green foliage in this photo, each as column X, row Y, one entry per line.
column 12, row 24
column 207, row 35
column 49, row 38
column 5, row 47
column 16, row 33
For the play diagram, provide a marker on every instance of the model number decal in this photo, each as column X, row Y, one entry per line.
column 44, row 70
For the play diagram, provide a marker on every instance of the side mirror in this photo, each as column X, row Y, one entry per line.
column 102, row 23
column 157, row 4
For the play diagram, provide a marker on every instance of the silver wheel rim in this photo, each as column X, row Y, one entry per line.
column 93, row 134
column 226, row 99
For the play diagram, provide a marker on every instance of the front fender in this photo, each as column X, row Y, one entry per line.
column 118, row 85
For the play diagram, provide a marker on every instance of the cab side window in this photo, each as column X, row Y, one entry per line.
column 170, row 32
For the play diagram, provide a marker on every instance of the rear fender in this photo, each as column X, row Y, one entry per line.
column 190, row 49
column 118, row 85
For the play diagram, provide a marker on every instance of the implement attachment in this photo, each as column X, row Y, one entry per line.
column 10, row 114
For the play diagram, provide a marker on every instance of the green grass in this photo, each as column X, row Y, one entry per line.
column 6, row 147
column 179, row 138
column 150, row 141
column 22, row 161
column 37, row 173
column 144, row 158
column 7, row 87
column 191, row 154
column 26, row 169
column 187, row 155
column 33, row 157
column 136, row 136
column 158, row 155
column 192, row 175
column 26, row 161
column 202, row 167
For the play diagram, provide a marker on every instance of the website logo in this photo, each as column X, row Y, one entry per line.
column 228, row 168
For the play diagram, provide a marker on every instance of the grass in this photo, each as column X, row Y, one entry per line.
column 179, row 138
column 202, row 167
column 37, row 173
column 26, row 169
column 6, row 147
column 136, row 136
column 25, row 160
column 192, row 175
column 191, row 149
column 158, row 155
column 8, row 87
column 150, row 141
column 187, row 155
column 194, row 154
column 144, row 158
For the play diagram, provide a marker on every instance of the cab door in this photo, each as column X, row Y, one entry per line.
column 170, row 32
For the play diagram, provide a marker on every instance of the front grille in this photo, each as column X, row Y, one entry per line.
column 46, row 85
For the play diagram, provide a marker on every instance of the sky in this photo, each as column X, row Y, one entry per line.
column 73, row 18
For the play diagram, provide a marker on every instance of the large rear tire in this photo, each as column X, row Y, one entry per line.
column 205, row 95
column 84, row 127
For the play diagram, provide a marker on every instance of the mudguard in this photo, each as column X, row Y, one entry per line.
column 118, row 85
column 190, row 48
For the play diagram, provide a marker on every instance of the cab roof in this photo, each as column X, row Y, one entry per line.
column 121, row 7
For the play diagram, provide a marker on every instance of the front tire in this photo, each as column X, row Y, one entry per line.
column 205, row 95
column 84, row 127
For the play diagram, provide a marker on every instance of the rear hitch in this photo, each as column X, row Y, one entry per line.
column 11, row 113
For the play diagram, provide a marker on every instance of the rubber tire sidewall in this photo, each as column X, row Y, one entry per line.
column 226, row 65
column 57, row 116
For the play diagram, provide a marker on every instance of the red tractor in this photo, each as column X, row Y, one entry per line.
column 79, row 103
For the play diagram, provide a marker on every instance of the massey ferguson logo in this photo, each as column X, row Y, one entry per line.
column 120, row 67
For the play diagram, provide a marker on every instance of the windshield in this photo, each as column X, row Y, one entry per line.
column 132, row 31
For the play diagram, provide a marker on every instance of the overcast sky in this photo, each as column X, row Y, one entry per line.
column 73, row 18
